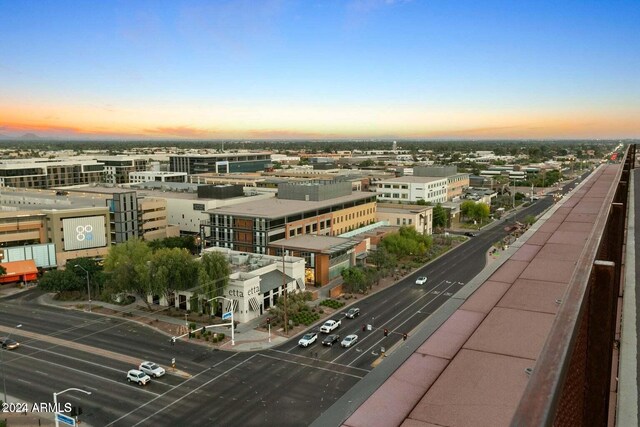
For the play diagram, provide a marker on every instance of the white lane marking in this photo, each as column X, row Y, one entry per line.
column 194, row 390
column 172, row 388
column 42, row 373
column 75, row 358
column 311, row 366
column 88, row 373
column 396, row 328
column 389, row 320
column 313, row 358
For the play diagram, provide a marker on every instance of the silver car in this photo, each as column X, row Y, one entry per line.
column 349, row 340
column 152, row 369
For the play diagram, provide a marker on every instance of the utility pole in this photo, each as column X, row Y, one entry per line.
column 284, row 290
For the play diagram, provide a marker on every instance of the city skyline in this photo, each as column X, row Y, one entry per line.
column 325, row 69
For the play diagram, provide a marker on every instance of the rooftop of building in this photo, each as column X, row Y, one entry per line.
column 275, row 208
column 401, row 209
column 415, row 179
column 32, row 163
column 49, row 199
column 159, row 173
column 218, row 155
column 315, row 243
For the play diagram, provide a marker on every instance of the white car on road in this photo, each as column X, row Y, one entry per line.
column 138, row 377
column 152, row 369
column 330, row 325
column 308, row 339
column 349, row 340
column 421, row 280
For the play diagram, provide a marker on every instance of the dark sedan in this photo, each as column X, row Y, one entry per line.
column 330, row 339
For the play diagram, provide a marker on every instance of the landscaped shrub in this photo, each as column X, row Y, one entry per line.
column 332, row 303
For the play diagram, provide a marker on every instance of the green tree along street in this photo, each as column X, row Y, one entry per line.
column 476, row 211
column 298, row 311
column 382, row 259
column 173, row 270
column 439, row 217
column 355, row 279
column 214, row 274
column 407, row 241
column 184, row 242
column 128, row 268
column 135, row 268
column 61, row 281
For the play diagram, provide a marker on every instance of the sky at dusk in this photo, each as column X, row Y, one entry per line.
column 285, row 69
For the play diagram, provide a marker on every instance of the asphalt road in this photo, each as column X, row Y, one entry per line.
column 286, row 385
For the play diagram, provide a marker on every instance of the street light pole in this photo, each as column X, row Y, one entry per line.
column 55, row 401
column 4, row 382
column 88, row 289
column 233, row 325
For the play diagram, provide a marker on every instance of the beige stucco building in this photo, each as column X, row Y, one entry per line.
column 416, row 216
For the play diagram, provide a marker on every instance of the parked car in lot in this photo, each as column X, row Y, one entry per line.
column 353, row 313
column 330, row 339
column 349, row 340
column 8, row 343
column 308, row 339
column 138, row 377
column 152, row 369
column 421, row 280
column 330, row 325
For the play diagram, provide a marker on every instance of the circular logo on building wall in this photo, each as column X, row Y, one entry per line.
column 84, row 232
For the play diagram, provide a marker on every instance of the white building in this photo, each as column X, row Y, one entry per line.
column 412, row 189
column 157, row 176
column 256, row 283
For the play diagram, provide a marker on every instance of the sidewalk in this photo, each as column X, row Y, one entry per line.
column 247, row 338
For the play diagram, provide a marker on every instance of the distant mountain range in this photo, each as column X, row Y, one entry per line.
column 28, row 136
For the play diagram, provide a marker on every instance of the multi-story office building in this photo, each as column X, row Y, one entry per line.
column 456, row 182
column 130, row 215
column 326, row 208
column 219, row 163
column 36, row 173
column 118, row 168
column 407, row 189
column 51, row 237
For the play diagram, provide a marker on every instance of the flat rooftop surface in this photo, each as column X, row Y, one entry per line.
column 315, row 242
column 274, row 208
column 414, row 179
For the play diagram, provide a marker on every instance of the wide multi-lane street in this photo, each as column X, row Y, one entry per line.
column 285, row 385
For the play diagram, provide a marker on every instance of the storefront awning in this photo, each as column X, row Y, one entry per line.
column 228, row 306
column 273, row 280
column 17, row 271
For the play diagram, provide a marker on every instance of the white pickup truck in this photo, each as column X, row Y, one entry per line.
column 329, row 326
